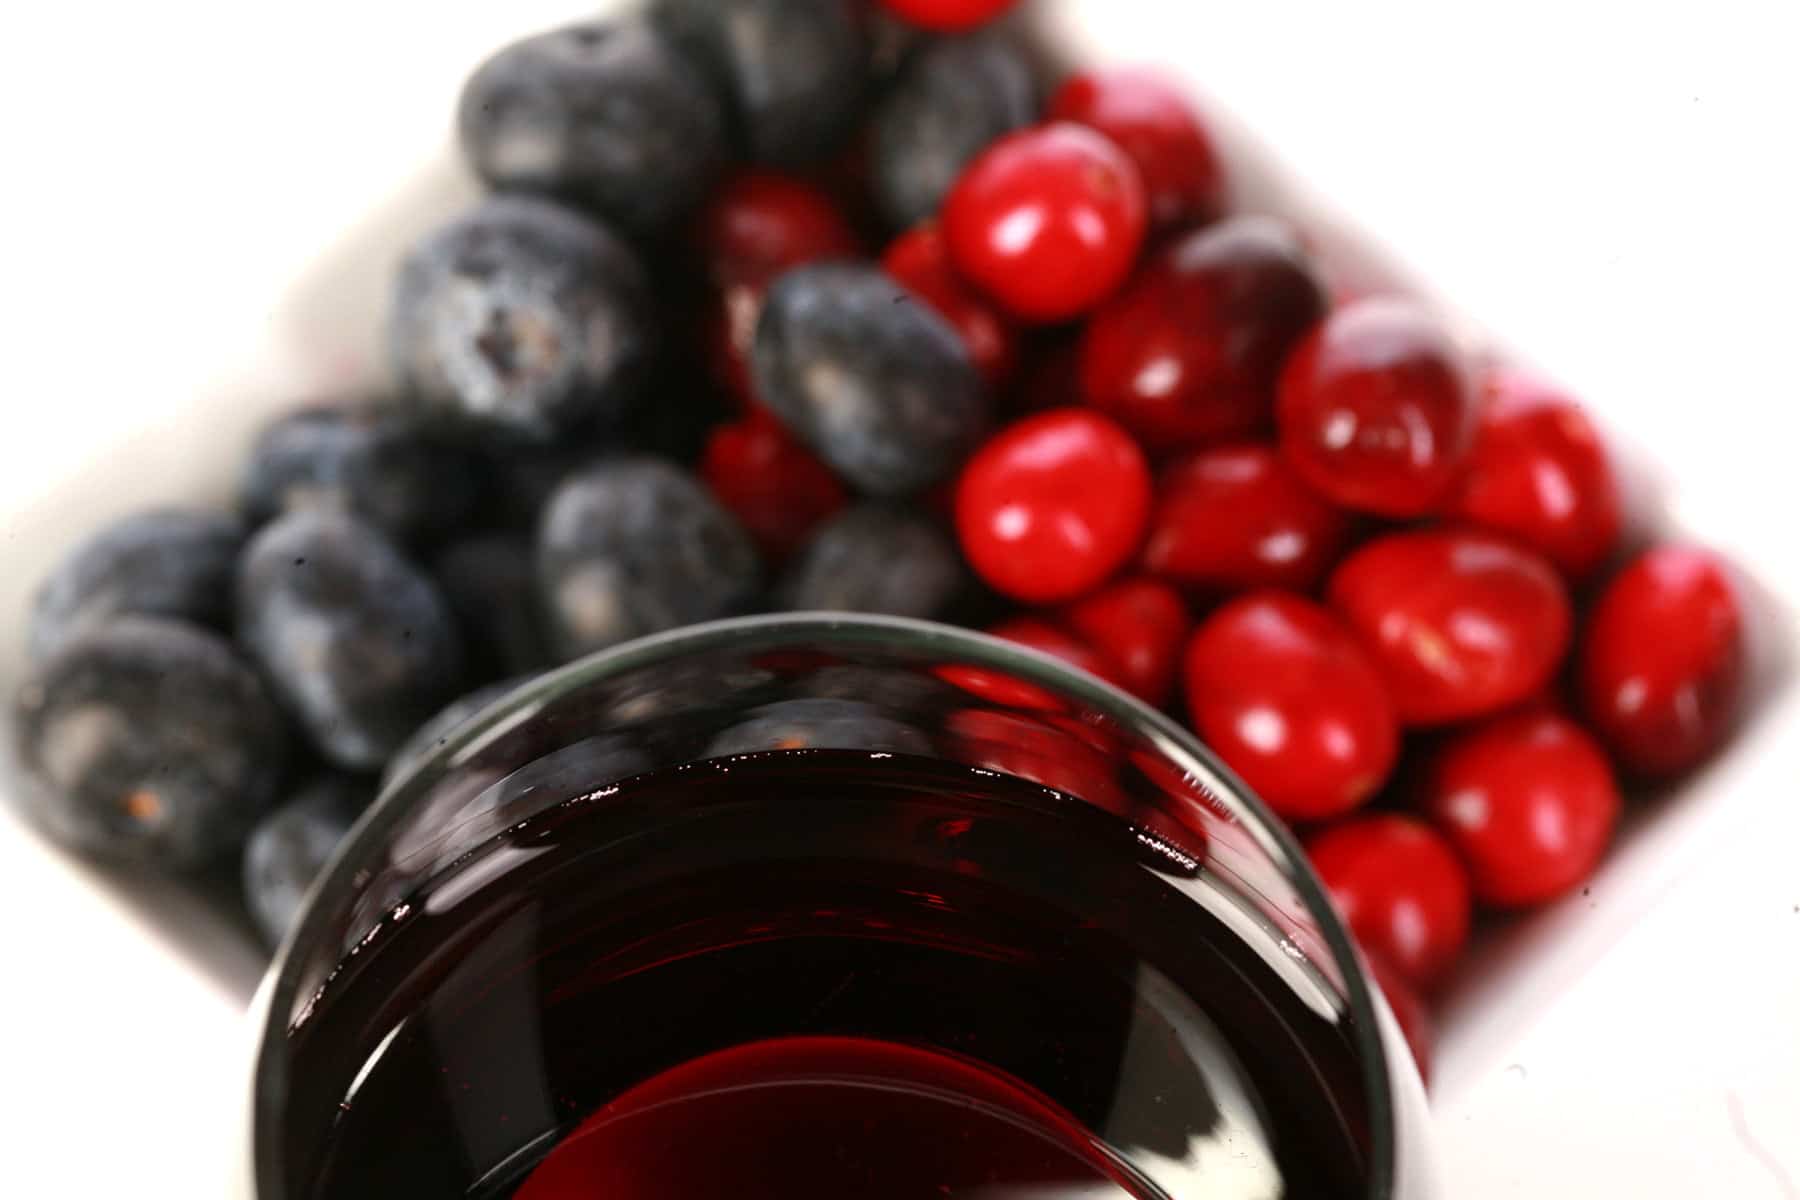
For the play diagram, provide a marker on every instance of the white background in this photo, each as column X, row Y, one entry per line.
column 203, row 199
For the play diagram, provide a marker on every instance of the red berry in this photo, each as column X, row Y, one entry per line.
column 1053, row 504
column 774, row 486
column 1140, row 625
column 1048, row 221
column 1377, row 408
column 1401, row 890
column 1282, row 692
column 1409, row 1011
column 1529, row 802
column 1460, row 623
column 1236, row 517
column 1539, row 472
column 757, row 225
column 1662, row 660
column 948, row 16
column 1151, row 120
column 1190, row 350
column 1058, row 643
column 1031, row 749
column 918, row 260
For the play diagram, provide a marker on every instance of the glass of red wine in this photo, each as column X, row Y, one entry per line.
column 824, row 907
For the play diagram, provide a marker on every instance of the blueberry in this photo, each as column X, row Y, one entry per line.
column 794, row 71
column 521, row 318
column 148, row 740
column 436, row 730
column 633, row 546
column 951, row 100
column 382, row 466
column 291, row 845
column 877, row 383
column 490, row 582
column 604, row 114
column 818, row 724
column 356, row 641
column 875, row 559
column 165, row 563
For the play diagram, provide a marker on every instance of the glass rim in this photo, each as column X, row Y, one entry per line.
column 824, row 631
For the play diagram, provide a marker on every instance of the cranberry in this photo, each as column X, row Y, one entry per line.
column 1140, row 625
column 948, row 16
column 1401, row 890
column 1461, row 623
column 1377, row 408
column 919, row 261
column 1025, row 746
column 1662, row 660
column 1539, row 472
column 1152, row 121
column 757, row 225
column 1281, row 690
column 1237, row 517
column 1191, row 349
column 774, row 486
column 1048, row 220
column 1529, row 802
column 1053, row 504
column 1409, row 1011
column 1059, row 643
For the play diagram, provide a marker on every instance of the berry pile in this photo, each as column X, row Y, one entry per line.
column 778, row 304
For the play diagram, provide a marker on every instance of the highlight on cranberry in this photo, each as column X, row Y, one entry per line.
column 674, row 370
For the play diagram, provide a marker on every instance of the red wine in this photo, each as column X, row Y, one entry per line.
column 821, row 973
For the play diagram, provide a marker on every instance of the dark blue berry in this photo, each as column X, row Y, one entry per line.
column 952, row 100
column 291, row 845
column 165, row 563
column 356, row 641
column 148, row 740
column 605, row 114
column 521, row 318
column 380, row 465
column 818, row 724
column 633, row 546
column 874, row 558
column 490, row 582
column 877, row 383
column 435, row 732
column 794, row 72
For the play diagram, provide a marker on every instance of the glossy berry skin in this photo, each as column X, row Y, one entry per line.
column 1141, row 625
column 1052, row 505
column 165, row 562
column 1539, row 473
column 1048, row 221
column 875, row 558
column 604, row 114
column 778, row 490
column 1235, row 517
column 1662, row 661
column 1279, row 688
column 1401, row 890
column 877, row 384
column 1529, row 802
column 147, row 740
column 521, row 319
column 757, row 224
column 953, row 98
column 1189, row 352
column 1058, row 642
column 920, row 262
column 1409, row 1011
column 1153, row 122
column 948, row 16
column 291, row 845
column 1376, row 408
column 1460, row 623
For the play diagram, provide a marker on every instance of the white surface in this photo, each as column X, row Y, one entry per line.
column 204, row 200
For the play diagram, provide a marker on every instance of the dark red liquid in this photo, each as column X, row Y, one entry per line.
column 822, row 973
